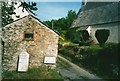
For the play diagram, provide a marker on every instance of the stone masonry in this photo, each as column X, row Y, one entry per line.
column 44, row 42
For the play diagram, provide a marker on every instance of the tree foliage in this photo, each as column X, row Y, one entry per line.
column 62, row 25
column 7, row 10
column 30, row 6
column 70, row 17
column 73, row 35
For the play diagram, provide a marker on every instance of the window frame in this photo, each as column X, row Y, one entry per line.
column 28, row 39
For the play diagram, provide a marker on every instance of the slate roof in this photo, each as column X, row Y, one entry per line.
column 97, row 13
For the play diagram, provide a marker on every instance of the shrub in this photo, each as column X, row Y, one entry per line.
column 73, row 35
column 82, row 43
column 102, row 61
column 102, row 36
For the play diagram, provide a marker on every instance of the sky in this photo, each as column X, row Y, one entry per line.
column 55, row 10
column 50, row 10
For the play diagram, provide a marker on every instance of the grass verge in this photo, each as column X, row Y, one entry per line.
column 34, row 73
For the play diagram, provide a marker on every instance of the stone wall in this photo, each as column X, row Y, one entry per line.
column 44, row 43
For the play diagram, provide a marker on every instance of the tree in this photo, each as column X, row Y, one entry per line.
column 73, row 35
column 8, row 10
column 30, row 6
column 70, row 17
column 62, row 25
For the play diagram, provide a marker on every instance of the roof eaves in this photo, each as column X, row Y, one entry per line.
column 94, row 24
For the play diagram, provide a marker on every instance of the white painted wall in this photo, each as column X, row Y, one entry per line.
column 114, row 31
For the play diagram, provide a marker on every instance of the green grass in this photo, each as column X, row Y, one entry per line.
column 34, row 73
column 101, row 61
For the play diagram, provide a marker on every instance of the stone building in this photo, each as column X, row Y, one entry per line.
column 95, row 16
column 28, row 35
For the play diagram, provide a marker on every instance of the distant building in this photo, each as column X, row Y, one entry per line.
column 95, row 16
column 29, row 35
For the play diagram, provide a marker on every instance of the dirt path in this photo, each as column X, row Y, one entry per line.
column 74, row 72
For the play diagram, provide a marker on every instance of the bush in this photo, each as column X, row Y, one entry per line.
column 73, row 35
column 82, row 43
column 102, row 61
column 102, row 36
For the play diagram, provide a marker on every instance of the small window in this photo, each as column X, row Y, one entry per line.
column 28, row 36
